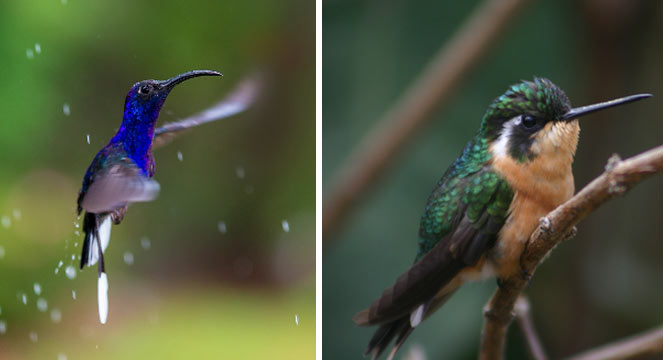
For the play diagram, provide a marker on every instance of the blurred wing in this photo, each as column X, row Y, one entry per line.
column 119, row 185
column 237, row 101
column 461, row 228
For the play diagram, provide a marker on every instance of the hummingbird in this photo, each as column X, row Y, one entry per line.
column 121, row 173
column 478, row 219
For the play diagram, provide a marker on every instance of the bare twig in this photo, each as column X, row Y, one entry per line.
column 433, row 85
column 647, row 343
column 619, row 176
column 524, row 318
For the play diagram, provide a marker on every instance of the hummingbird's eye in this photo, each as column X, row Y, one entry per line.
column 145, row 89
column 528, row 121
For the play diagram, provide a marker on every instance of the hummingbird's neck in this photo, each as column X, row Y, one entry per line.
column 136, row 134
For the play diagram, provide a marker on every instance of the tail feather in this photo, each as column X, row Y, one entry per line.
column 399, row 329
column 97, row 229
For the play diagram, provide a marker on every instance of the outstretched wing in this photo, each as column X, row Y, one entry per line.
column 237, row 101
column 462, row 219
column 114, row 184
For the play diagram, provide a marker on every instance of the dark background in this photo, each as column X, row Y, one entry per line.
column 196, row 292
column 604, row 284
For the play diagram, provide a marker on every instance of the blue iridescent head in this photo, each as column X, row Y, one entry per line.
column 145, row 99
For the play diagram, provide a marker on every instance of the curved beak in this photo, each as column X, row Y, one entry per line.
column 170, row 83
column 584, row 110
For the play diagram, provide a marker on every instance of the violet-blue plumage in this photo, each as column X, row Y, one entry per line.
column 121, row 171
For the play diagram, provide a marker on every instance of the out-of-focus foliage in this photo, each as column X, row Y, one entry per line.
column 65, row 68
column 602, row 285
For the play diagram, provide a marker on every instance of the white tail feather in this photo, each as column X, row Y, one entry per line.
column 104, row 236
column 417, row 315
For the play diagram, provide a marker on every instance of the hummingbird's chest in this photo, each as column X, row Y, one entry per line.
column 539, row 186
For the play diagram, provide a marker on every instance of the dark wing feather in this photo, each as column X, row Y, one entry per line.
column 460, row 224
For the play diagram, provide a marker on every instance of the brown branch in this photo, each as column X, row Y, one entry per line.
column 524, row 318
column 434, row 84
column 619, row 177
column 647, row 343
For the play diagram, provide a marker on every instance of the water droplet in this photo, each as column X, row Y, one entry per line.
column 6, row 221
column 145, row 243
column 87, row 138
column 128, row 258
column 56, row 316
column 24, row 298
column 65, row 109
column 179, row 156
column 222, row 227
column 42, row 304
column 285, row 225
column 70, row 271
column 57, row 268
column 37, row 288
column 296, row 319
column 76, row 224
column 17, row 214
column 3, row 327
column 30, row 54
column 239, row 171
column 62, row 356
column 2, row 252
column 34, row 337
column 37, row 48
column 73, row 257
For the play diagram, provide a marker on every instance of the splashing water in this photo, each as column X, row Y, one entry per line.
column 179, row 156
column 87, row 138
column 37, row 288
column 73, row 294
column 239, row 171
column 65, row 109
column 222, row 227
column 30, row 54
column 3, row 327
column 296, row 319
column 102, row 297
column 6, row 221
column 62, row 356
column 37, row 48
column 56, row 316
column 128, row 258
column 57, row 268
column 285, row 225
column 70, row 271
column 24, row 298
column 145, row 243
column 42, row 304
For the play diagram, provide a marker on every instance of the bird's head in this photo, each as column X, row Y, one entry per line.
column 145, row 99
column 535, row 117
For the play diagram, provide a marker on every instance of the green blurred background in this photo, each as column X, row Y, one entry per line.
column 189, row 290
column 604, row 284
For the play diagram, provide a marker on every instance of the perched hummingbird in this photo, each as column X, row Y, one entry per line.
column 121, row 172
column 477, row 220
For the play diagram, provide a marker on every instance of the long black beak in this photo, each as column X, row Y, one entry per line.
column 584, row 110
column 170, row 83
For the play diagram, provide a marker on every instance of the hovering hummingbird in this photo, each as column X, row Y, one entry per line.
column 121, row 172
column 477, row 220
